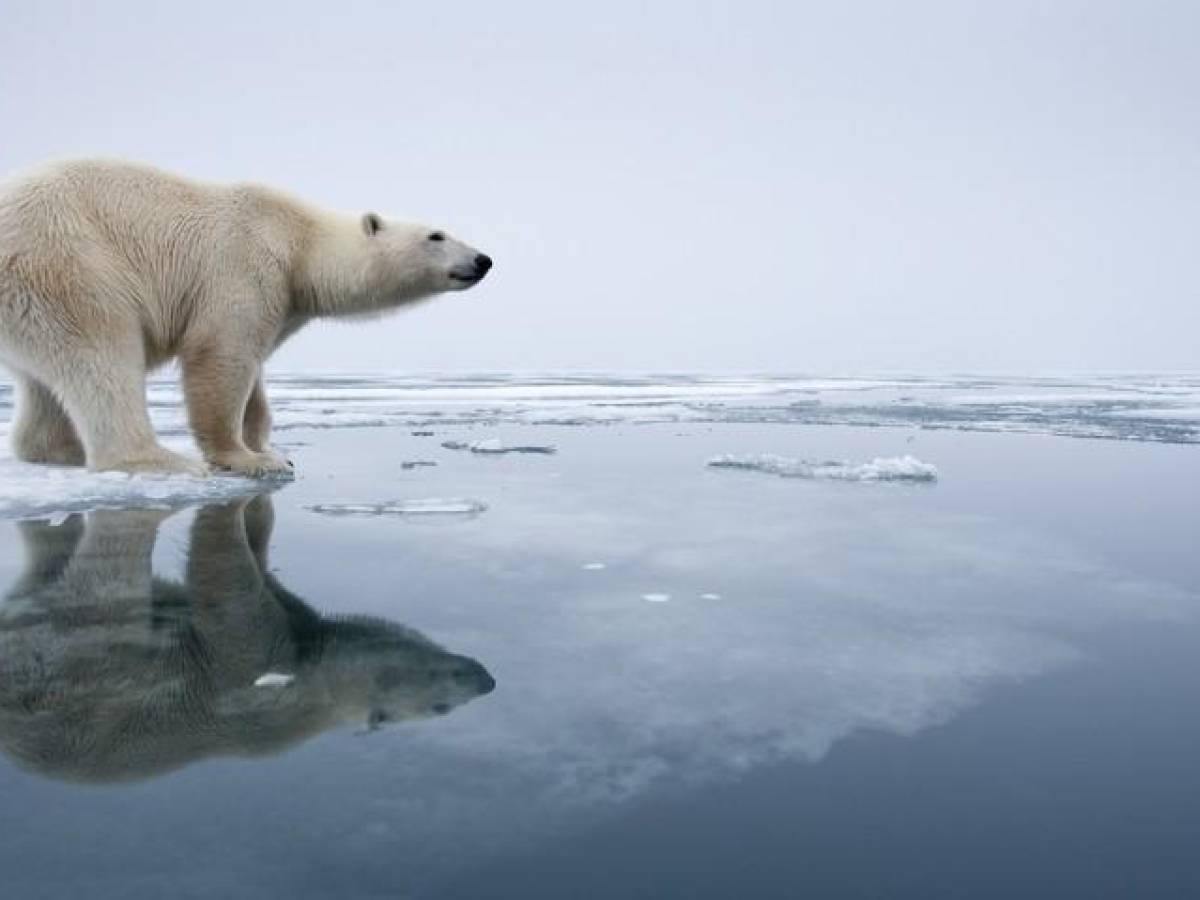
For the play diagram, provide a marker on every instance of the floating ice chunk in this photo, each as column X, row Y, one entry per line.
column 594, row 566
column 492, row 445
column 656, row 598
column 432, row 506
column 710, row 596
column 417, row 463
column 30, row 491
column 892, row 468
column 274, row 680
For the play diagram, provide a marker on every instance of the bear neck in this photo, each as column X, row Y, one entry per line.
column 333, row 274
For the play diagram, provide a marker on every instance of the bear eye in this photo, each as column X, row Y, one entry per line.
column 437, row 236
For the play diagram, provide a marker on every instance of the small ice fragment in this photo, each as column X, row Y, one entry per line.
column 415, row 463
column 422, row 433
column 594, row 567
column 452, row 506
column 656, row 598
column 892, row 468
column 493, row 445
column 710, row 596
column 274, row 679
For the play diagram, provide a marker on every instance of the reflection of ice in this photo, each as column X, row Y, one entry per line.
column 274, row 679
column 432, row 506
column 895, row 468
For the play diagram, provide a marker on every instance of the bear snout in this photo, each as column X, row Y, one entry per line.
column 471, row 270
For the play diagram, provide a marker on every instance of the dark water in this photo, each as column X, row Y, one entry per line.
column 982, row 687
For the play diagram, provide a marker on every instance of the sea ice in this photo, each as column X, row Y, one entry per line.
column 656, row 598
column 594, row 566
column 1117, row 407
column 892, row 468
column 431, row 506
column 492, row 445
column 30, row 491
column 417, row 463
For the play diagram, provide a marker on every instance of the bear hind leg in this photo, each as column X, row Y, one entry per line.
column 42, row 432
column 105, row 395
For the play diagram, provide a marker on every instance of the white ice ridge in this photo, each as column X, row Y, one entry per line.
column 492, row 445
column 30, row 491
column 891, row 468
column 430, row 506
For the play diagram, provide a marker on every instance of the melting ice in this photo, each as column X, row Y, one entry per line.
column 893, row 468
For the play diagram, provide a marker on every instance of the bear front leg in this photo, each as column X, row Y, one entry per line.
column 256, row 424
column 217, row 384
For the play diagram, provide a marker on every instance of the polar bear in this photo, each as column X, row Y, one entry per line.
column 109, row 269
column 109, row 672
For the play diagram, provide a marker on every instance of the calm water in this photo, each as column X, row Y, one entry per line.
column 985, row 686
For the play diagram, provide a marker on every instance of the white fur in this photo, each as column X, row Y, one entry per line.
column 108, row 269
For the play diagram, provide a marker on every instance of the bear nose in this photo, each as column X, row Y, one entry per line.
column 483, row 262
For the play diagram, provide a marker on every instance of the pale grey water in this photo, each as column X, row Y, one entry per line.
column 979, row 687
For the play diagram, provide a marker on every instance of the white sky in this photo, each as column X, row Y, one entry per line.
column 720, row 186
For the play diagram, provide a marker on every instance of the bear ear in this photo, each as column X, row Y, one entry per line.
column 372, row 224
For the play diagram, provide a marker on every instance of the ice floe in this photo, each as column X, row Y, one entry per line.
column 417, row 463
column 656, row 598
column 892, row 468
column 30, row 491
column 430, row 506
column 594, row 566
column 492, row 445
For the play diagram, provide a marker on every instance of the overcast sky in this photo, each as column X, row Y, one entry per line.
column 804, row 187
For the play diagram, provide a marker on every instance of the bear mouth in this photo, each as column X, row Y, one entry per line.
column 466, row 277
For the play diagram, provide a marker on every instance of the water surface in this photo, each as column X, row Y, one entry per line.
column 979, row 686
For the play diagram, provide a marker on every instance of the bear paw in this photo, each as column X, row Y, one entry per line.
column 255, row 464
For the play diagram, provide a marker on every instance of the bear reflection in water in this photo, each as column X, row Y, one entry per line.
column 108, row 673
